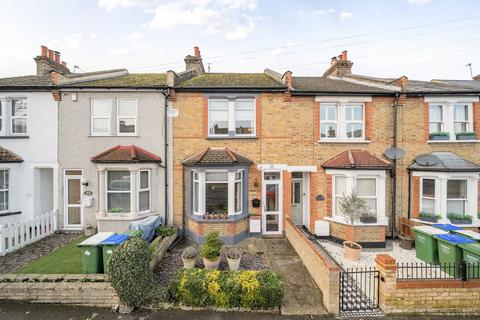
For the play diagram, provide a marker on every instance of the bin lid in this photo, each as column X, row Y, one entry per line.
column 133, row 233
column 472, row 247
column 455, row 239
column 115, row 239
column 96, row 239
column 446, row 226
column 469, row 233
column 429, row 230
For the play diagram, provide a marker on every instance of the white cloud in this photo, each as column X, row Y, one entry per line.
column 345, row 15
column 240, row 31
column 300, row 12
column 175, row 15
column 71, row 42
column 418, row 2
column 112, row 4
column 238, row 4
column 322, row 12
column 134, row 36
column 119, row 52
column 334, row 13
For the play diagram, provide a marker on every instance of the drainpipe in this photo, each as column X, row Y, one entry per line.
column 394, row 170
column 409, row 193
column 165, row 128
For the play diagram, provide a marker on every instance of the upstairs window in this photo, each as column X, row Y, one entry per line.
column 342, row 122
column 328, row 121
column 101, row 114
column 354, row 120
column 454, row 120
column 435, row 118
column 13, row 116
column 127, row 116
column 231, row 117
column 2, row 128
column 218, row 117
column 460, row 118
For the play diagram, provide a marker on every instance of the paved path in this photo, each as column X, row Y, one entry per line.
column 19, row 258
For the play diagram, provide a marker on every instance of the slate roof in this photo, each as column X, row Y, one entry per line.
column 474, row 84
column 126, row 154
column 232, row 80
column 8, row 156
column 445, row 161
column 132, row 80
column 216, row 156
column 356, row 159
column 325, row 84
column 26, row 81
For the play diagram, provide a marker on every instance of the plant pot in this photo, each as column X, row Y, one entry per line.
column 454, row 221
column 435, row 138
column 428, row 219
column 189, row 263
column 466, row 137
column 352, row 250
column 233, row 264
column 368, row 219
column 211, row 264
column 406, row 242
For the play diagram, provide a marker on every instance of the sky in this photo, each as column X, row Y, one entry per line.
column 422, row 39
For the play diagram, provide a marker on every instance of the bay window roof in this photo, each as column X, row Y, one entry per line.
column 126, row 154
column 8, row 156
column 443, row 161
column 356, row 159
column 216, row 156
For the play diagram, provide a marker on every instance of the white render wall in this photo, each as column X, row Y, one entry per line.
column 39, row 150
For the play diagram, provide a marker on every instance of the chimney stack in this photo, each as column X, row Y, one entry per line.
column 194, row 63
column 340, row 66
column 477, row 77
column 48, row 61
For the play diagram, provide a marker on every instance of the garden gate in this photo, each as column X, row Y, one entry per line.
column 359, row 289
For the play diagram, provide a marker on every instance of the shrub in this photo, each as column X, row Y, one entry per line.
column 130, row 273
column 165, row 231
column 189, row 253
column 429, row 215
column 234, row 253
column 439, row 134
column 458, row 216
column 227, row 289
column 212, row 246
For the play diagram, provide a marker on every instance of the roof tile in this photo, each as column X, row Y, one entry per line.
column 125, row 154
column 356, row 159
column 8, row 156
column 218, row 156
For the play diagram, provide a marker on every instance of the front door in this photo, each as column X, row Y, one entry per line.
column 272, row 202
column 73, row 218
column 297, row 198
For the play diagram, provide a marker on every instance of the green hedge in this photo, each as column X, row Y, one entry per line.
column 227, row 289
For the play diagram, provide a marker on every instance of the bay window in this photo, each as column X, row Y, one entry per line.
column 238, row 192
column 340, row 192
column 216, row 192
column 144, row 191
column 118, row 191
column 367, row 190
column 4, row 190
column 428, row 196
column 342, row 121
column 231, row 117
column 456, row 196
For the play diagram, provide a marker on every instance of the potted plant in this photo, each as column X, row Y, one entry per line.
column 352, row 207
column 211, row 250
column 439, row 136
column 457, row 218
column 368, row 217
column 466, row 136
column 116, row 210
column 189, row 257
column 429, row 217
column 233, row 259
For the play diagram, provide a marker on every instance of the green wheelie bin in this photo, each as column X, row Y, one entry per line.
column 450, row 253
column 471, row 256
column 469, row 234
column 425, row 244
column 92, row 252
column 109, row 245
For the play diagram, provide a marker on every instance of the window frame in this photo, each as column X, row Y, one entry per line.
column 231, row 117
column 442, row 122
column 368, row 197
column 218, row 182
column 195, row 197
column 329, row 121
column 107, row 192
column 448, row 105
column 240, row 199
column 254, row 125
column 210, row 133
column 335, row 196
column 464, row 200
column 93, row 117
column 428, row 198
column 13, row 117
column 347, row 122
column 127, row 117
column 148, row 189
column 342, row 122
column 6, row 173
column 3, row 107
column 466, row 121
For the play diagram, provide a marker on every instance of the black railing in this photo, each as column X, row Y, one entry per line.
column 423, row 271
column 359, row 289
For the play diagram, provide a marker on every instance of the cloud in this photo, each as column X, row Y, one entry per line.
column 345, row 15
column 418, row 2
column 134, row 36
column 72, row 41
column 300, row 12
column 240, row 31
column 112, row 4
column 322, row 12
column 238, row 4
column 173, row 15
column 119, row 52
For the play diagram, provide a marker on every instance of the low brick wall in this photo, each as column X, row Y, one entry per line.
column 231, row 231
column 373, row 236
column 422, row 296
column 82, row 290
column 323, row 270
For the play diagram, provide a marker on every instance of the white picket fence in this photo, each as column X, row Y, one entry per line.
column 14, row 236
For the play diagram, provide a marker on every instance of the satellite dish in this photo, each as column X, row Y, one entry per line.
column 427, row 160
column 394, row 153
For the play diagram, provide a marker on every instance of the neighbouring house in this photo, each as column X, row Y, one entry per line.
column 29, row 141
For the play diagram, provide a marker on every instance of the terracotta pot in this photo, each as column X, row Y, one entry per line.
column 233, row 264
column 352, row 250
column 189, row 263
column 211, row 264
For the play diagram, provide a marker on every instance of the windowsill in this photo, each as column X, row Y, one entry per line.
column 233, row 218
column 475, row 223
column 15, row 137
column 380, row 222
column 124, row 216
column 225, row 138
column 453, row 141
column 343, row 141
column 112, row 135
column 6, row 214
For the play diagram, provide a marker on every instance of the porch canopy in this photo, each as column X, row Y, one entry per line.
column 126, row 154
column 356, row 159
column 7, row 156
column 217, row 157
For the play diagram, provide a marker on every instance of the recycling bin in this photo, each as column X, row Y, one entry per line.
column 446, row 227
column 469, row 234
column 92, row 252
column 450, row 253
column 109, row 245
column 133, row 233
column 471, row 255
column 425, row 244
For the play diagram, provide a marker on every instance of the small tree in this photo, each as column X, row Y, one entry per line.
column 353, row 207
column 212, row 246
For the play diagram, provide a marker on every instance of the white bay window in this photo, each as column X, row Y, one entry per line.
column 4, row 190
column 128, row 191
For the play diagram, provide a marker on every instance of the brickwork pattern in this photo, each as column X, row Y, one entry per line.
column 362, row 234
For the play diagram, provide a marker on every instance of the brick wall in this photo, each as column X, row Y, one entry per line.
column 363, row 234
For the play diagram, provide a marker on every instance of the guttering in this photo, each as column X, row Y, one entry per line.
column 339, row 93
column 231, row 89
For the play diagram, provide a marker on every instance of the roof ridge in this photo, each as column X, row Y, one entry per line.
column 350, row 157
column 230, row 153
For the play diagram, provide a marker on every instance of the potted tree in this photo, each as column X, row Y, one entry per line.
column 439, row 136
column 211, row 250
column 189, row 257
column 233, row 259
column 429, row 217
column 465, row 136
column 353, row 207
column 456, row 218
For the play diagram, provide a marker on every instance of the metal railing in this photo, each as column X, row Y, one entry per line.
column 424, row 271
column 359, row 289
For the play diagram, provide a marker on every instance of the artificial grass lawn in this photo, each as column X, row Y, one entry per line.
column 66, row 260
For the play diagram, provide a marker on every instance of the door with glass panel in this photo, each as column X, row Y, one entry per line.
column 272, row 203
column 73, row 213
column 297, row 198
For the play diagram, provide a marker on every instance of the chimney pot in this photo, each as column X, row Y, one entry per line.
column 196, row 51
column 50, row 54
column 333, row 61
column 344, row 55
column 44, row 51
column 56, row 56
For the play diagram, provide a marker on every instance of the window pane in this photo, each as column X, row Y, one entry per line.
column 118, row 180
column 101, row 125
column 354, row 113
column 216, row 176
column 101, row 107
column 460, row 127
column 3, row 200
column 119, row 201
column 457, row 189
column 126, row 126
column 366, row 187
column 428, row 188
column 340, row 185
column 195, row 196
column 456, row 206
column 19, row 125
column 73, row 172
column 238, row 196
column 435, row 127
column 428, row 205
column 297, row 175
column 244, row 116
column 354, row 130
column 337, row 206
column 328, row 130
column 372, row 204
column 19, row 108
column 144, row 201
column 296, row 193
column 4, row 179
column 271, row 197
column 144, row 180
column 218, row 117
column 460, row 112
column 216, row 197
column 127, row 108
column 435, row 113
column 271, row 176
column 328, row 113
column 238, row 175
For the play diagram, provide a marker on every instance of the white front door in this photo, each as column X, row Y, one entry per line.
column 272, row 202
column 297, row 200
column 73, row 212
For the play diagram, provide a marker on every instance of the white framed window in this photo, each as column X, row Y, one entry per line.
column 144, row 187
column 457, row 197
column 354, row 121
column 231, row 116
column 127, row 116
column 19, row 116
column 216, row 192
column 428, row 201
column 195, row 192
column 2, row 117
column 328, row 121
column 452, row 115
column 238, row 192
column 101, row 110
column 461, row 122
column 4, row 190
column 340, row 190
column 435, row 118
column 367, row 189
column 118, row 191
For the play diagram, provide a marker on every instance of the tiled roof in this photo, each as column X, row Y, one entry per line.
column 26, row 81
column 217, row 156
column 134, row 80
column 356, row 159
column 325, row 84
column 443, row 161
column 8, row 156
column 232, row 80
column 125, row 154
